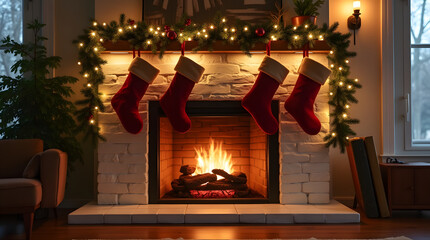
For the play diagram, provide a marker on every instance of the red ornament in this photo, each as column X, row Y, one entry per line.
column 260, row 32
column 131, row 21
column 188, row 22
column 166, row 28
column 171, row 35
column 90, row 117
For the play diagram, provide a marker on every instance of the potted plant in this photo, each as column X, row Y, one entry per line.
column 306, row 10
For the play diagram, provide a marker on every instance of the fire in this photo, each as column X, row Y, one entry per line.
column 214, row 158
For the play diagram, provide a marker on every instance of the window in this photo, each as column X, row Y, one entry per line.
column 406, row 78
column 420, row 72
column 10, row 25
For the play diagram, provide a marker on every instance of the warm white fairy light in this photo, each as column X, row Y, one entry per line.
column 306, row 26
column 158, row 28
column 101, row 40
column 198, row 33
column 225, row 29
column 346, row 138
column 332, row 65
column 206, row 36
column 232, row 38
column 93, row 34
column 274, row 38
column 181, row 34
column 310, row 36
column 344, row 115
column 92, row 121
column 245, row 29
column 340, row 68
column 104, row 24
column 294, row 28
column 340, row 83
column 212, row 27
column 96, row 108
column 333, row 134
column 223, row 20
column 162, row 34
column 331, row 94
column 356, row 80
column 156, row 32
column 349, row 87
column 204, row 30
column 321, row 37
column 275, row 26
column 94, row 24
column 331, row 52
column 120, row 30
column 346, row 61
column 96, row 68
column 233, row 30
column 135, row 26
column 129, row 27
column 189, row 39
column 89, row 85
column 96, row 49
column 347, row 106
column 151, row 29
column 85, row 75
column 79, row 63
column 148, row 42
column 81, row 44
column 296, row 37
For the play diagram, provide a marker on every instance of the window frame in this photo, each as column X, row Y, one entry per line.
column 396, row 83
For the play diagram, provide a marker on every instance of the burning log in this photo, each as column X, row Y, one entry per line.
column 192, row 182
column 222, row 185
column 236, row 177
column 187, row 170
column 177, row 185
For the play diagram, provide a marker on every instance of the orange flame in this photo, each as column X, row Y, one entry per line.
column 213, row 158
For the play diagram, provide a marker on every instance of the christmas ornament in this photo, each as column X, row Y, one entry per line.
column 171, row 35
column 260, row 32
column 125, row 102
column 166, row 28
column 300, row 103
column 257, row 101
column 173, row 102
column 131, row 21
column 188, row 22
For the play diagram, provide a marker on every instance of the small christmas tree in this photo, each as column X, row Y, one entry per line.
column 34, row 105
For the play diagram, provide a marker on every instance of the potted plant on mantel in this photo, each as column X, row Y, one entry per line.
column 306, row 10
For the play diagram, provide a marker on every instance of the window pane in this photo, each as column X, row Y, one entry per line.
column 10, row 25
column 420, row 18
column 420, row 94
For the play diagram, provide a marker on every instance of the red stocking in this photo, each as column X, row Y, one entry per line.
column 300, row 104
column 125, row 102
column 257, row 101
column 175, row 98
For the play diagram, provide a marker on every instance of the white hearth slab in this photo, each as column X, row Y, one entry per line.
column 334, row 212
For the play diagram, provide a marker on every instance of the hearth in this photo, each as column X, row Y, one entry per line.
column 223, row 158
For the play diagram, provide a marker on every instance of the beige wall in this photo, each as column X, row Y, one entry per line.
column 73, row 16
column 366, row 66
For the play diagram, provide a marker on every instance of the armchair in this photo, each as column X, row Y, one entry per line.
column 30, row 178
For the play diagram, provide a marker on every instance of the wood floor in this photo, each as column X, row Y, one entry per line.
column 413, row 224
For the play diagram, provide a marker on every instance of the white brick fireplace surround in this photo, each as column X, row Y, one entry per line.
column 123, row 159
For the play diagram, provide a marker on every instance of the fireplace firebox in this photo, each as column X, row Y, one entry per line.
column 223, row 158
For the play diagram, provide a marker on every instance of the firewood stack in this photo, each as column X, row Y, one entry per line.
column 208, row 181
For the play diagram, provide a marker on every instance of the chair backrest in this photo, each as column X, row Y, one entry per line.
column 15, row 154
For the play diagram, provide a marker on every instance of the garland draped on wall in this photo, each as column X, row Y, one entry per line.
column 157, row 38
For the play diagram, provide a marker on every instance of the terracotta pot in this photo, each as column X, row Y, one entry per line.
column 299, row 20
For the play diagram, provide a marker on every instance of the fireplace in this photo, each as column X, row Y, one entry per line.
column 224, row 157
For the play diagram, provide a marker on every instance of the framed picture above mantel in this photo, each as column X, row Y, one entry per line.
column 168, row 12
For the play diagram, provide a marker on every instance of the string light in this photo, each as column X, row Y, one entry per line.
column 158, row 28
column 104, row 24
column 275, row 26
column 349, row 87
column 212, row 27
column 89, row 85
column 180, row 34
column 344, row 115
column 306, row 26
column 198, row 33
column 120, row 30
column 135, row 26
column 156, row 32
column 245, row 29
column 225, row 29
column 96, row 49
column 333, row 134
column 92, row 121
column 331, row 52
column 331, row 94
column 129, row 27
column 347, row 61
column 96, row 68
column 85, row 75
column 310, row 36
column 273, row 38
column 151, row 29
column 332, row 65
column 148, row 42
column 321, row 37
column 356, row 80
column 340, row 83
column 204, row 30
column 296, row 37
column 96, row 108
column 223, row 20
column 346, row 138
column 189, row 39
column 340, row 68
column 206, row 36
column 233, row 30
column 93, row 34
column 162, row 34
column 79, row 63
column 101, row 39
column 232, row 38
column 294, row 28
column 81, row 44
column 94, row 24
column 347, row 106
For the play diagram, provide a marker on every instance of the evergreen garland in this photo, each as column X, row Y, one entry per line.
column 157, row 38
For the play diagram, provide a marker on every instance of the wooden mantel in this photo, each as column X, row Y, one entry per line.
column 280, row 46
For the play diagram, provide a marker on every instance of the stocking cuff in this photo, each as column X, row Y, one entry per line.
column 143, row 69
column 274, row 69
column 189, row 69
column 314, row 70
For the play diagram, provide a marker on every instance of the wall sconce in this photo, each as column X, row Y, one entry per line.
column 354, row 21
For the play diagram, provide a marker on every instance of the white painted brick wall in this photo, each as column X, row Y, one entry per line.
column 123, row 166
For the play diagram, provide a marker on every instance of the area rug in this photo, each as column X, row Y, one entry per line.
column 390, row 238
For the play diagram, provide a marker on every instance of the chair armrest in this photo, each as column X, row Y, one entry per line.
column 53, row 171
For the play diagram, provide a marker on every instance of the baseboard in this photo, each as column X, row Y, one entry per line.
column 345, row 200
column 74, row 203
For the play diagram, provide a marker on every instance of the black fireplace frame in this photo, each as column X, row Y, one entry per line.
column 209, row 108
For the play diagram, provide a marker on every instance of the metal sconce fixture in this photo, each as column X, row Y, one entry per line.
column 354, row 21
